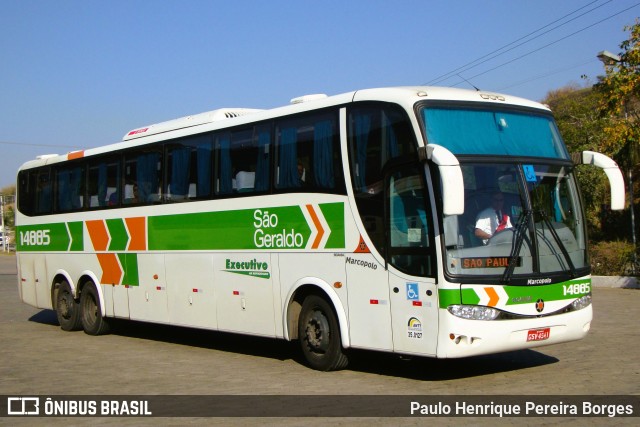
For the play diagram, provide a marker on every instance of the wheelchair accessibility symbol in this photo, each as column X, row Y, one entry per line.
column 529, row 173
column 412, row 291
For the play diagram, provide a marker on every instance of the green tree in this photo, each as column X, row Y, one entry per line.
column 582, row 127
column 9, row 206
column 620, row 105
column 620, row 96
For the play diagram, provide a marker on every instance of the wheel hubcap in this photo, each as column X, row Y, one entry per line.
column 65, row 306
column 317, row 332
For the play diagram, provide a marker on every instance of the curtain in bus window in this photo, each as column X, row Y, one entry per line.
column 262, row 165
column 363, row 128
column 147, row 176
column 288, row 159
column 463, row 132
column 75, row 185
column 526, row 134
column 203, row 156
column 557, row 209
column 43, row 192
column 323, row 154
column 102, row 184
column 64, row 191
column 226, row 172
column 180, row 167
column 488, row 132
column 392, row 143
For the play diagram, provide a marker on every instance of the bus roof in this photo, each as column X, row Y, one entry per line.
column 406, row 96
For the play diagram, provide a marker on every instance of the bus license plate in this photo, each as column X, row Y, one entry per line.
column 538, row 334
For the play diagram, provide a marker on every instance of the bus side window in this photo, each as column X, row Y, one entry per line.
column 142, row 174
column 44, row 195
column 70, row 182
column 308, row 156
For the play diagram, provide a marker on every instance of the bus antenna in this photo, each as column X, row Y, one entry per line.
column 470, row 84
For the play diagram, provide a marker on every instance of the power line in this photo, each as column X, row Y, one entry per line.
column 549, row 44
column 26, row 144
column 550, row 73
column 501, row 51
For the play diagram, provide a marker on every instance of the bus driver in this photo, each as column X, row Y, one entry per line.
column 492, row 219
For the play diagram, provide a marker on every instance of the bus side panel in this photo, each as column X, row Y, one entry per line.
column 191, row 291
column 116, row 301
column 43, row 284
column 148, row 298
column 244, row 293
column 369, row 305
column 27, row 278
column 299, row 269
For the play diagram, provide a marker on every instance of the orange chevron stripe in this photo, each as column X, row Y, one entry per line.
column 493, row 297
column 318, row 225
column 98, row 234
column 137, row 232
column 111, row 271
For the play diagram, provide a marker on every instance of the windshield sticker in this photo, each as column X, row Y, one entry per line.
column 489, row 262
column 529, row 173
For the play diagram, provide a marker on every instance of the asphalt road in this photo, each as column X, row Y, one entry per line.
column 38, row 358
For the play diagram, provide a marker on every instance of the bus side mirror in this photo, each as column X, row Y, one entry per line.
column 610, row 168
column 450, row 176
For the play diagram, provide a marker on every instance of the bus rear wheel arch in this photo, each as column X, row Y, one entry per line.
column 319, row 335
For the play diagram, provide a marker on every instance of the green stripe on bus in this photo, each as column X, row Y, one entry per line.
column 43, row 238
column 266, row 228
column 129, row 263
column 76, row 229
column 519, row 294
column 334, row 214
column 118, row 233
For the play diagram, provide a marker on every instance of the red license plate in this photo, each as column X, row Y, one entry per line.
column 538, row 334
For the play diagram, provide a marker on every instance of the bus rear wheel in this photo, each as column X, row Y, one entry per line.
column 67, row 308
column 319, row 335
column 93, row 322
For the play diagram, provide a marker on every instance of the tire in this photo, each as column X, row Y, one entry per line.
column 319, row 335
column 67, row 308
column 93, row 322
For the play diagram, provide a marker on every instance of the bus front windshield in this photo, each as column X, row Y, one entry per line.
column 519, row 219
column 522, row 222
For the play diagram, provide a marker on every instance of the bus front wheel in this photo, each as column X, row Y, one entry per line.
column 93, row 322
column 319, row 335
column 67, row 308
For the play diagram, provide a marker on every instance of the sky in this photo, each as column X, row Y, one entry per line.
column 78, row 74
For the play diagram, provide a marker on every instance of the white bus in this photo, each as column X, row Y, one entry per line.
column 351, row 221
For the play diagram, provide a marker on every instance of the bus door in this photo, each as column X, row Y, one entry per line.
column 410, row 255
column 414, row 314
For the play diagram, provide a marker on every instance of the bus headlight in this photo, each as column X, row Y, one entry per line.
column 582, row 302
column 473, row 312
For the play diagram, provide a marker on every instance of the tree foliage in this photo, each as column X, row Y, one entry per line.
column 620, row 102
column 576, row 112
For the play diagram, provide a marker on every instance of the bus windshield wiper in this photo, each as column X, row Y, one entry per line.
column 561, row 246
column 521, row 226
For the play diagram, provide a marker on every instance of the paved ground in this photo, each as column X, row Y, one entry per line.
column 38, row 358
